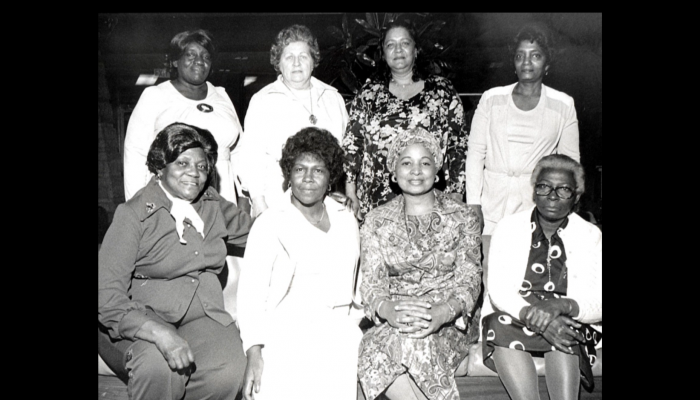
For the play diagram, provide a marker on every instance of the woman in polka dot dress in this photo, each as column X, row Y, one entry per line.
column 546, row 310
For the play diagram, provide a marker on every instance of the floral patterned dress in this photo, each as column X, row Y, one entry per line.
column 431, row 257
column 377, row 116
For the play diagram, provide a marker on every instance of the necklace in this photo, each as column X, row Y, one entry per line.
column 312, row 117
column 323, row 213
column 549, row 286
column 403, row 85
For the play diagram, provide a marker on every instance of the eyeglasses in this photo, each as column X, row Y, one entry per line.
column 563, row 192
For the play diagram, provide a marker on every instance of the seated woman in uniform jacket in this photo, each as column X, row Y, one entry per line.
column 160, row 304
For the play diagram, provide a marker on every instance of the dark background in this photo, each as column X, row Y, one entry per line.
column 134, row 44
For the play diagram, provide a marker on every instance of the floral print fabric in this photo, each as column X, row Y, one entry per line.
column 432, row 257
column 377, row 117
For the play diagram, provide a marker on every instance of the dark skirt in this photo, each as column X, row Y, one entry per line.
column 501, row 329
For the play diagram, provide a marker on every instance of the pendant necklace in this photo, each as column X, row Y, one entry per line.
column 549, row 286
column 312, row 117
column 323, row 213
column 403, row 85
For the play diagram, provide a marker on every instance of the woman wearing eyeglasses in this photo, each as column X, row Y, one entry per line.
column 545, row 284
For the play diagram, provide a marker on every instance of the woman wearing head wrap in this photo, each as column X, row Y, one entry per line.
column 421, row 279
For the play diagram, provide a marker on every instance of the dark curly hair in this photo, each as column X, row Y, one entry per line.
column 315, row 141
column 534, row 32
column 180, row 41
column 177, row 138
column 294, row 33
column 383, row 71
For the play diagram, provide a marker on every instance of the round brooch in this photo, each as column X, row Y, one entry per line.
column 206, row 108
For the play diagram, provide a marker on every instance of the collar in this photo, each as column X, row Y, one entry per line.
column 537, row 232
column 317, row 86
column 394, row 209
column 149, row 199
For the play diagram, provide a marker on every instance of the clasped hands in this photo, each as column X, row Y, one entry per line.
column 552, row 320
column 416, row 318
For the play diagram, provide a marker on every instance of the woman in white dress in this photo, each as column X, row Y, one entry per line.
column 190, row 99
column 298, row 324
column 279, row 110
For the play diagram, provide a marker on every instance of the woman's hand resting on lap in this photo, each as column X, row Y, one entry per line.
column 174, row 348
column 539, row 315
column 563, row 333
column 417, row 318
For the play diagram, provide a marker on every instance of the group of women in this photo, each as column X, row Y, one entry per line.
column 396, row 249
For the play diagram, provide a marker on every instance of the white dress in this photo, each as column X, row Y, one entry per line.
column 160, row 106
column 294, row 297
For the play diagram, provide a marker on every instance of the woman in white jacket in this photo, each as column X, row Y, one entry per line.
column 545, row 285
column 513, row 127
column 296, row 292
column 279, row 110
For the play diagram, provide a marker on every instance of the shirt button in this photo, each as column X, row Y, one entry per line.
column 196, row 253
column 510, row 173
column 193, row 281
column 205, row 305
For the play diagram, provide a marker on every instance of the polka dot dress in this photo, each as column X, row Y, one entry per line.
column 545, row 278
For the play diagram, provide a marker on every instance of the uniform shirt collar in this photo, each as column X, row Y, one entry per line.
column 152, row 197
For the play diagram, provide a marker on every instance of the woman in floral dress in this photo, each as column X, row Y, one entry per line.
column 421, row 280
column 399, row 97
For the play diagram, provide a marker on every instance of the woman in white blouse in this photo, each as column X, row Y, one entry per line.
column 279, row 110
column 190, row 99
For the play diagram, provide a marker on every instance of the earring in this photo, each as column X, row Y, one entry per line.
column 329, row 188
column 437, row 179
column 546, row 73
column 393, row 178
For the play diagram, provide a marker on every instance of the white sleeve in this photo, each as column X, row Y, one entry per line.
column 505, row 271
column 253, row 156
column 569, row 141
column 139, row 136
column 261, row 251
column 476, row 151
column 590, row 298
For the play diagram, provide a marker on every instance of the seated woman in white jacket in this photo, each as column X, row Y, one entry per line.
column 295, row 295
column 545, row 285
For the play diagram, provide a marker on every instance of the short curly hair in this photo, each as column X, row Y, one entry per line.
column 180, row 41
column 294, row 33
column 317, row 142
column 177, row 138
column 560, row 162
column 534, row 32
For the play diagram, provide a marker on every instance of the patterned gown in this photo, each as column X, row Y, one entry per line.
column 545, row 279
column 377, row 117
column 432, row 257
